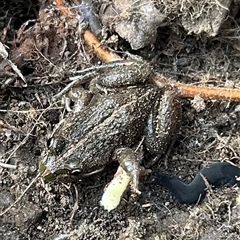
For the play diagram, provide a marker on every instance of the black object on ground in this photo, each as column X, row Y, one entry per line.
column 216, row 174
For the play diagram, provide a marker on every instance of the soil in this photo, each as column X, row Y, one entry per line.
column 47, row 48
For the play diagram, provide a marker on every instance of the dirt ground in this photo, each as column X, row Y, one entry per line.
column 47, row 48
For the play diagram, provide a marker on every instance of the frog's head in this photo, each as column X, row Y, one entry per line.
column 50, row 169
column 53, row 167
column 49, row 172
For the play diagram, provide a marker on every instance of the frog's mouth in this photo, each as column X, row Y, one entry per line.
column 62, row 174
column 93, row 172
column 45, row 172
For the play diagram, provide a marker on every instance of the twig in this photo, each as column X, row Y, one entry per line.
column 189, row 91
column 28, row 111
column 75, row 207
column 97, row 47
column 5, row 165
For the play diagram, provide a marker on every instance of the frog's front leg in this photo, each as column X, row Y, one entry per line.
column 128, row 172
column 163, row 122
column 129, row 161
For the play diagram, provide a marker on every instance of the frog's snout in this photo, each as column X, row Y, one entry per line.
column 45, row 173
column 49, row 173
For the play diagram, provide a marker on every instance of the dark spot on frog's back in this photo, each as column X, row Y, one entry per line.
column 57, row 145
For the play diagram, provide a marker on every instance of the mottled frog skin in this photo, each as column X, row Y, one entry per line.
column 128, row 109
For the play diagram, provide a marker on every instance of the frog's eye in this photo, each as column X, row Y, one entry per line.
column 75, row 174
column 57, row 145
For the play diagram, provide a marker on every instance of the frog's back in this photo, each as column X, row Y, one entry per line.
column 92, row 135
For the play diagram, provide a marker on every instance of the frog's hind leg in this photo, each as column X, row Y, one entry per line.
column 85, row 75
column 163, row 123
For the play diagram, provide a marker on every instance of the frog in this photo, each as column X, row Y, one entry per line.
column 124, row 109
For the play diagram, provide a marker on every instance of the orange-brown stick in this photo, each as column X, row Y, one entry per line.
column 189, row 91
column 185, row 91
column 62, row 8
column 209, row 93
column 97, row 47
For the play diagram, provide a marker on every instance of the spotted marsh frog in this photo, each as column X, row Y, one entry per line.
column 127, row 109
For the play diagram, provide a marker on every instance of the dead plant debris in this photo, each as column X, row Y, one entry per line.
column 47, row 50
